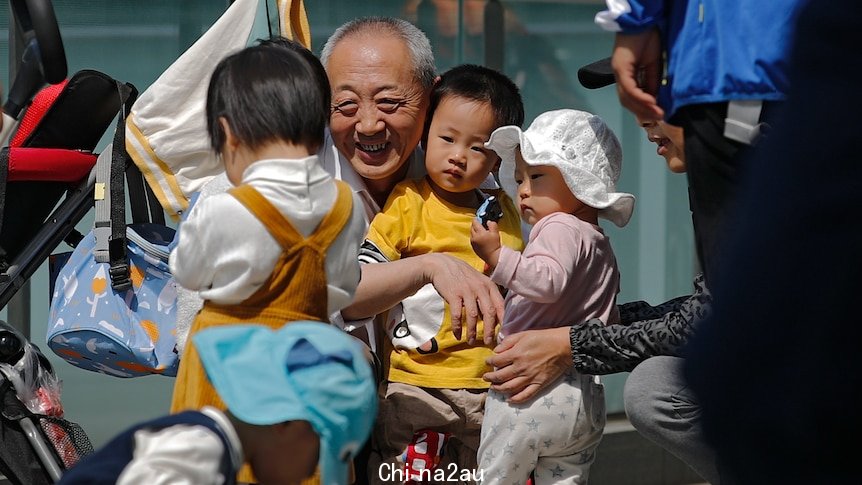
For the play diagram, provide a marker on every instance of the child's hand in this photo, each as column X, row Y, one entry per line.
column 486, row 242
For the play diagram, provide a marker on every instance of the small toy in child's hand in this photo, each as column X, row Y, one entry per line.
column 490, row 210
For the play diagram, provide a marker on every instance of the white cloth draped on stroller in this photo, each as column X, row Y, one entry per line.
column 166, row 133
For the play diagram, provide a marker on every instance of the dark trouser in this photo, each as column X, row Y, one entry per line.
column 715, row 166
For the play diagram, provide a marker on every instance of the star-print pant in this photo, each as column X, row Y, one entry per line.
column 556, row 434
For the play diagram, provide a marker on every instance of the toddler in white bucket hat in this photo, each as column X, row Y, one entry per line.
column 562, row 173
column 581, row 146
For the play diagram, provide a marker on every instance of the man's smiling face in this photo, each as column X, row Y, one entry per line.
column 378, row 104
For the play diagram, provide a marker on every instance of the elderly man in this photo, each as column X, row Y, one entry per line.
column 381, row 71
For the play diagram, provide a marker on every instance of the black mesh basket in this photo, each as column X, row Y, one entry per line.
column 67, row 439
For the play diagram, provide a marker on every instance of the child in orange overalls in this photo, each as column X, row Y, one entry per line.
column 282, row 244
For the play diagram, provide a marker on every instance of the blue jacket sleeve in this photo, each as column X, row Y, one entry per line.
column 632, row 16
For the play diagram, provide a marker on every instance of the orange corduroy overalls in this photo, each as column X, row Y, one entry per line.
column 296, row 290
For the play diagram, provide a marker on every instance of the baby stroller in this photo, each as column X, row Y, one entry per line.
column 47, row 183
column 37, row 443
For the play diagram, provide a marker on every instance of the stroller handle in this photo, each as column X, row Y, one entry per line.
column 44, row 58
column 36, row 18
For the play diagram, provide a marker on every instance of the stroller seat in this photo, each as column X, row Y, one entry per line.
column 51, row 155
column 25, row 163
column 47, row 185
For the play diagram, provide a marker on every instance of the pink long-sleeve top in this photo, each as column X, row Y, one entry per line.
column 567, row 274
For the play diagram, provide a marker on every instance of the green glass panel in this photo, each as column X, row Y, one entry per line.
column 545, row 44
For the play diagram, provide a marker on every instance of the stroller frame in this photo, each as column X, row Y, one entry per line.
column 43, row 60
column 23, row 364
column 59, row 225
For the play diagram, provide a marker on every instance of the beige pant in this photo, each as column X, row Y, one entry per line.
column 406, row 409
column 556, row 434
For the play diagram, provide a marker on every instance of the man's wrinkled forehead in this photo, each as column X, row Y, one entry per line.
column 377, row 81
column 372, row 50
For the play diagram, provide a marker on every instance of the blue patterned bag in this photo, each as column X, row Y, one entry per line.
column 126, row 333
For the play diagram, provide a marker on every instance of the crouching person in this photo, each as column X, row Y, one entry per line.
column 297, row 398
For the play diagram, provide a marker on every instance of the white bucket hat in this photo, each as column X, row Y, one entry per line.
column 581, row 146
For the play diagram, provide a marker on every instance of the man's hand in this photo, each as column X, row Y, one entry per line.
column 486, row 242
column 527, row 362
column 637, row 65
column 465, row 290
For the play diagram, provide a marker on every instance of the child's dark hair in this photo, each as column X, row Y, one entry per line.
column 278, row 41
column 268, row 93
column 478, row 83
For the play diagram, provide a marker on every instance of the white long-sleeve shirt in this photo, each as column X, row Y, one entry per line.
column 226, row 254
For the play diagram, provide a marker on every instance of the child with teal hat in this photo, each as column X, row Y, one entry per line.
column 297, row 398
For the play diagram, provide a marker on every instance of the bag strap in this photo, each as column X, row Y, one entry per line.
column 110, row 224
column 145, row 205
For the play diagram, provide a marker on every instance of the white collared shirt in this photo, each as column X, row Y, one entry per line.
column 340, row 168
column 226, row 253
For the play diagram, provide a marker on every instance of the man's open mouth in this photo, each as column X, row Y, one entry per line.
column 371, row 148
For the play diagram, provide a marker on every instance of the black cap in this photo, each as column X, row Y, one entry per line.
column 597, row 75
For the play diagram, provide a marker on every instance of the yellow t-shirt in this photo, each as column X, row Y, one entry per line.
column 422, row 350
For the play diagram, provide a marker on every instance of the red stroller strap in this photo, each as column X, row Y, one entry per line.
column 49, row 164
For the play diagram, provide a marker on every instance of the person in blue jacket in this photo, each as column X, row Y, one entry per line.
column 781, row 313
column 724, row 76
column 720, row 71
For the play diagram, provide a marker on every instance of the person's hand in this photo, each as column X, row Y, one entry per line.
column 637, row 66
column 466, row 291
column 486, row 242
column 527, row 362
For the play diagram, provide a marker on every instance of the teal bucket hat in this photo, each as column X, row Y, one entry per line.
column 306, row 371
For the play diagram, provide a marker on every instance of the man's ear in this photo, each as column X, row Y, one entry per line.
column 497, row 163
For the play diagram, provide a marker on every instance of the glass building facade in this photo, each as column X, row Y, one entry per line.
column 539, row 43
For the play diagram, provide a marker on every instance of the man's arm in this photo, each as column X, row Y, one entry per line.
column 466, row 290
column 637, row 51
column 387, row 278
column 384, row 284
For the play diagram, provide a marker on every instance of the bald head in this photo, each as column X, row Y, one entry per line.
column 415, row 40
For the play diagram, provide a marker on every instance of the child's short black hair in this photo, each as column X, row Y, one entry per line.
column 285, row 43
column 268, row 93
column 479, row 83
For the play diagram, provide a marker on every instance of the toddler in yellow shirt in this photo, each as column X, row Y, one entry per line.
column 434, row 397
